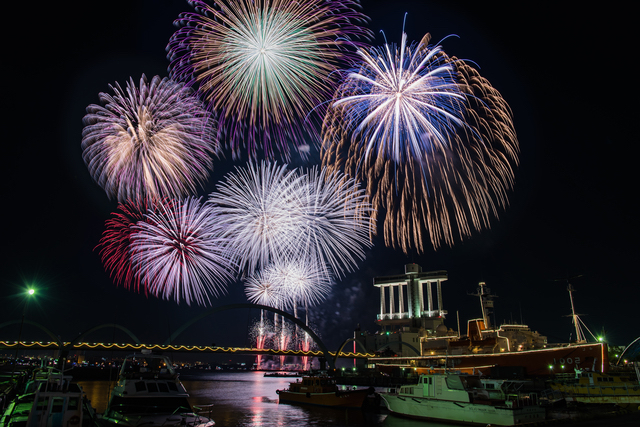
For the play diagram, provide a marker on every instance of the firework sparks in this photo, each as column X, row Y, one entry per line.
column 116, row 242
column 300, row 282
column 336, row 220
column 178, row 251
column 259, row 207
column 272, row 215
column 151, row 141
column 263, row 288
column 266, row 65
column 433, row 141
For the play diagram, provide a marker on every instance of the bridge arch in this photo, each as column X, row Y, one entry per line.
column 53, row 336
column 284, row 314
column 80, row 337
column 631, row 351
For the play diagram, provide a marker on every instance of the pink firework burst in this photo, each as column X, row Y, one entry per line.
column 179, row 252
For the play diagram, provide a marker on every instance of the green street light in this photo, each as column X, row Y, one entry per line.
column 30, row 291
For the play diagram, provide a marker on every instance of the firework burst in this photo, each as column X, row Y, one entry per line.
column 300, row 282
column 433, row 141
column 151, row 141
column 263, row 288
column 260, row 209
column 266, row 65
column 178, row 252
column 273, row 215
column 336, row 220
column 116, row 241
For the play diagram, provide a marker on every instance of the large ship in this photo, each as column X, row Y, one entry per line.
column 413, row 335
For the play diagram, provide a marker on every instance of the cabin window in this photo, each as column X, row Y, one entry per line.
column 162, row 387
column 140, row 386
column 172, row 386
column 152, row 387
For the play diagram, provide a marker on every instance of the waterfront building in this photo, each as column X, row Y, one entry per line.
column 411, row 309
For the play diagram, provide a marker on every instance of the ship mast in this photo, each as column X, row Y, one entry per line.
column 579, row 334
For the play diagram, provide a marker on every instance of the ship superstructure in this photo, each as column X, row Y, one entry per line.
column 413, row 334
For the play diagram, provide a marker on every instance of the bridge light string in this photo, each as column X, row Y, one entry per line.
column 186, row 348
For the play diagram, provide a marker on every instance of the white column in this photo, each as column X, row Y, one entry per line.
column 401, row 297
column 439, row 298
column 382, row 304
column 391, row 300
column 429, row 301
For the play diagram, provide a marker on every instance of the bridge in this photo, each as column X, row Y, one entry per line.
column 79, row 343
column 54, row 346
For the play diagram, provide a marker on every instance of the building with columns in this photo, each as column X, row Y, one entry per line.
column 407, row 300
column 410, row 309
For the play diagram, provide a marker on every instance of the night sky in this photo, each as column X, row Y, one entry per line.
column 567, row 73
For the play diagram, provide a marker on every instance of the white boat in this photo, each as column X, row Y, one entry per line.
column 462, row 398
column 149, row 392
column 49, row 400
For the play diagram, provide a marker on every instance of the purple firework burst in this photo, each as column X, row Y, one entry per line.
column 178, row 252
column 266, row 66
column 151, row 141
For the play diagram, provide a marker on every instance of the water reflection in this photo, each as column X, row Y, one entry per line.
column 248, row 399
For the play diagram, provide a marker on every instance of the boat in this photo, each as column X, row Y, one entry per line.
column 619, row 388
column 322, row 390
column 413, row 335
column 462, row 398
column 280, row 374
column 149, row 391
column 50, row 399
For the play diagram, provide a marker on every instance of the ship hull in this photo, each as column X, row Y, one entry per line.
column 343, row 399
column 539, row 362
column 460, row 412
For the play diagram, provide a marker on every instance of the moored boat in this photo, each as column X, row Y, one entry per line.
column 621, row 389
column 149, row 392
column 462, row 398
column 281, row 374
column 322, row 391
column 50, row 399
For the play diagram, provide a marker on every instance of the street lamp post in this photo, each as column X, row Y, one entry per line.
column 29, row 292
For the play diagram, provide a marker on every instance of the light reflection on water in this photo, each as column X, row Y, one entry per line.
column 248, row 399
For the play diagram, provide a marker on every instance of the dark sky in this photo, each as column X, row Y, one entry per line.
column 567, row 73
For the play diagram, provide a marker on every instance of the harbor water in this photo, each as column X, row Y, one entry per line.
column 249, row 399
